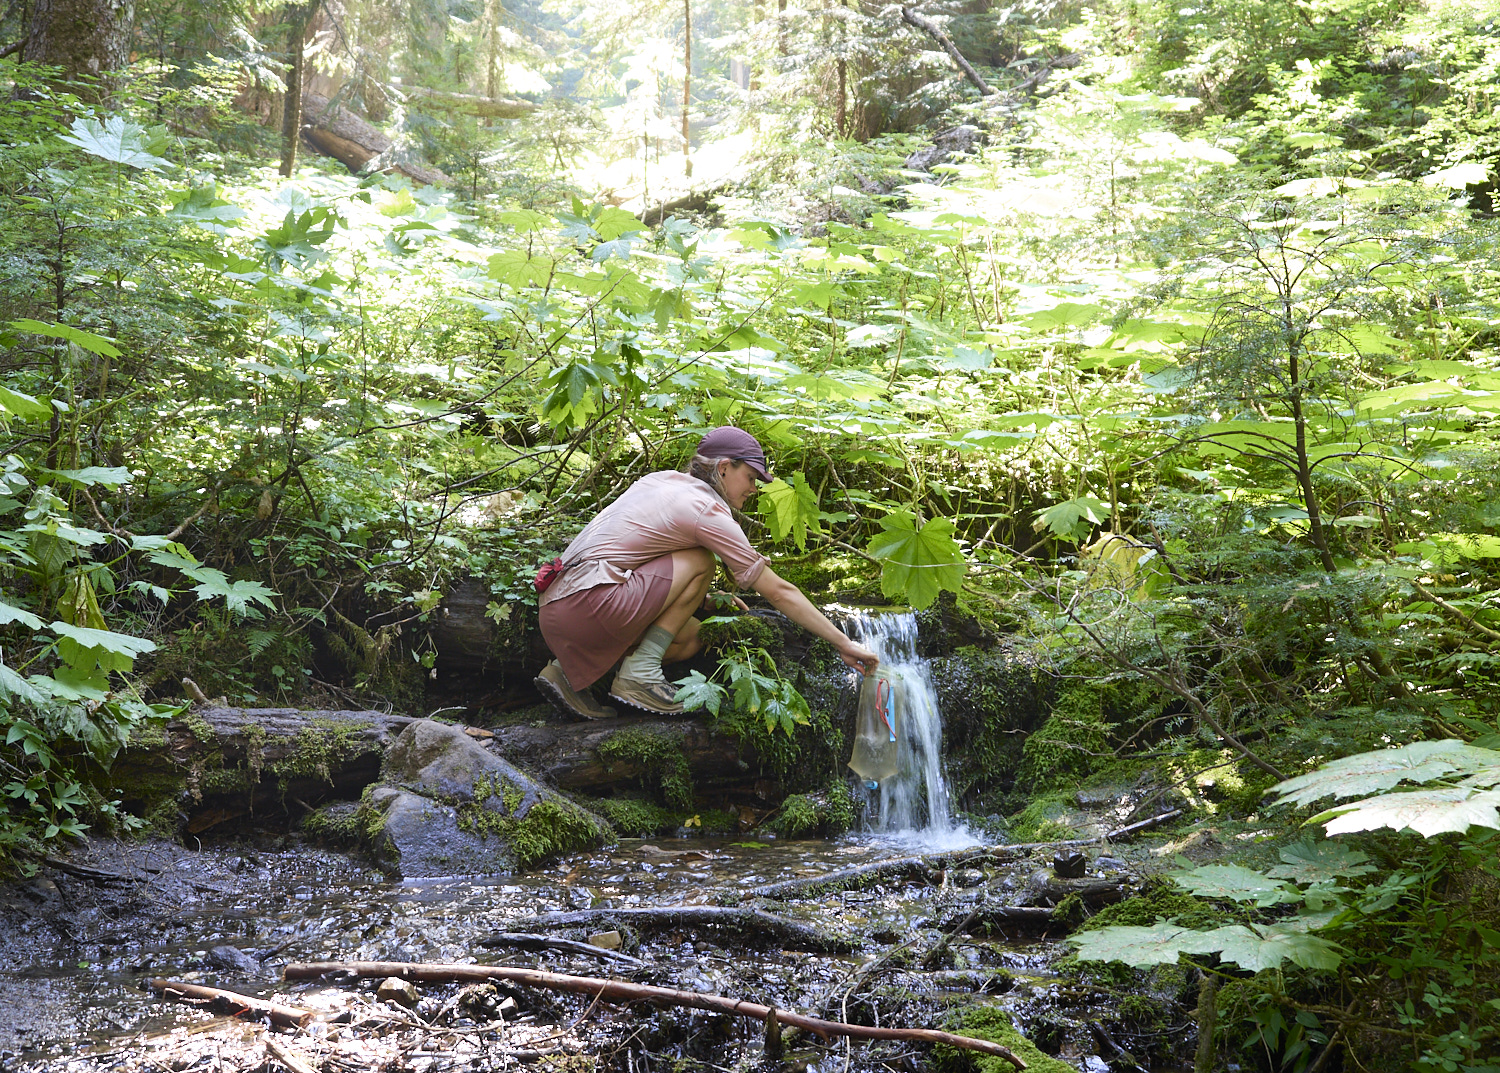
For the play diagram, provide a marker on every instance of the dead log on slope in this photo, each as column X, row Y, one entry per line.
column 337, row 132
column 927, row 26
column 469, row 104
column 625, row 991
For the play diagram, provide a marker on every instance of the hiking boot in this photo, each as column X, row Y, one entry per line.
column 553, row 685
column 658, row 698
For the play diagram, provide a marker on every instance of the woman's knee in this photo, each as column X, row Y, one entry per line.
column 694, row 561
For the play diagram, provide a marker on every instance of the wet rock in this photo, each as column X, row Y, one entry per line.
column 968, row 877
column 1110, row 864
column 449, row 806
column 606, row 940
column 396, row 990
column 233, row 959
column 441, row 761
column 1070, row 865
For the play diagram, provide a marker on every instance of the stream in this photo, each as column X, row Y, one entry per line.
column 79, row 941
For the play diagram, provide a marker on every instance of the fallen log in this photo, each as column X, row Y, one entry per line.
column 923, row 867
column 233, row 762
column 754, row 922
column 229, row 1002
column 469, row 104
column 625, row 991
column 524, row 941
column 568, row 755
column 335, row 131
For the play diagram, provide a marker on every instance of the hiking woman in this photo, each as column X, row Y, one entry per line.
column 633, row 580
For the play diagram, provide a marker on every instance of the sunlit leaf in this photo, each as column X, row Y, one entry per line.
column 917, row 563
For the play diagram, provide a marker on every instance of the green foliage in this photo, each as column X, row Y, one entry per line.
column 756, row 688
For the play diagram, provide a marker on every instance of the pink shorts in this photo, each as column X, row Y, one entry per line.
column 590, row 630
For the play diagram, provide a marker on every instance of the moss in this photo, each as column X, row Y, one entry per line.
column 1068, row 746
column 659, row 756
column 549, row 829
column 1042, row 821
column 799, row 814
column 991, row 701
column 632, row 818
column 197, row 726
column 318, row 748
column 336, row 825
column 829, row 813
column 993, row 1024
column 748, row 629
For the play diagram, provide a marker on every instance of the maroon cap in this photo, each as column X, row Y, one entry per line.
column 730, row 442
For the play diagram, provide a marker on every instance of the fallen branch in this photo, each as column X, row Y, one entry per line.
column 914, row 867
column 546, row 942
column 753, row 922
column 1124, row 834
column 625, row 991
column 297, row 1063
column 231, row 1003
column 921, row 22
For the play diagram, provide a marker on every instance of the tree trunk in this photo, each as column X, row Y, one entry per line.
column 291, row 115
column 83, row 37
column 492, row 9
column 687, row 85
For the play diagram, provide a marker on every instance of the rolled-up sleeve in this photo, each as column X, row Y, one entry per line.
column 720, row 534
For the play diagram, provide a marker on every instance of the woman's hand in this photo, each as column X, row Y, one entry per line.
column 861, row 659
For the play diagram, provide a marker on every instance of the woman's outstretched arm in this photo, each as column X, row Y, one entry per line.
column 789, row 600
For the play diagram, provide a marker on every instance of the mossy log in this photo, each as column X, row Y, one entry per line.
column 215, row 764
column 577, row 757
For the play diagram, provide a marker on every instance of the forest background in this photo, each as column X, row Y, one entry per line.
column 1175, row 357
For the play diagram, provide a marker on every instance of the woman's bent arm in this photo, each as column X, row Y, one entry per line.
column 789, row 600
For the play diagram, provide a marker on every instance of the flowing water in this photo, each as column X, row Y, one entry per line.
column 912, row 806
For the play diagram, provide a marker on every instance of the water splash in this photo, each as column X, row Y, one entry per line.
column 911, row 806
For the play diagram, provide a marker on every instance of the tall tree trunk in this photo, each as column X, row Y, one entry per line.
column 687, row 85
column 492, row 9
column 291, row 114
column 83, row 37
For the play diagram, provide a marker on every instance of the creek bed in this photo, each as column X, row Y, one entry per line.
column 79, row 945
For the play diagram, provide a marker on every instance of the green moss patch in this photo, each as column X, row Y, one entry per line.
column 659, row 756
column 549, row 829
column 993, row 1024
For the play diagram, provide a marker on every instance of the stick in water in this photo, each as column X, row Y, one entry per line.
column 231, row 1003
column 628, row 992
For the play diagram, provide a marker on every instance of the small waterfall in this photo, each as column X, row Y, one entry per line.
column 912, row 805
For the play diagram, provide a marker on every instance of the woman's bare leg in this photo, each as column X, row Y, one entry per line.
column 692, row 573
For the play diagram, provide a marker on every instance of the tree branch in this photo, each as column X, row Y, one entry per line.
column 921, row 22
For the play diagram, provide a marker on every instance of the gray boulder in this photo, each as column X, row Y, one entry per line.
column 449, row 806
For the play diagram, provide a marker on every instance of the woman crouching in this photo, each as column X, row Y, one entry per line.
column 633, row 580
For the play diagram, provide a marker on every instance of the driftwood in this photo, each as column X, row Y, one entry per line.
column 624, row 991
column 229, row 1002
column 271, row 757
column 524, row 941
column 926, row 25
column 753, row 922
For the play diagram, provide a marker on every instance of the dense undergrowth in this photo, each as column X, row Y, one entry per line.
column 1184, row 379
